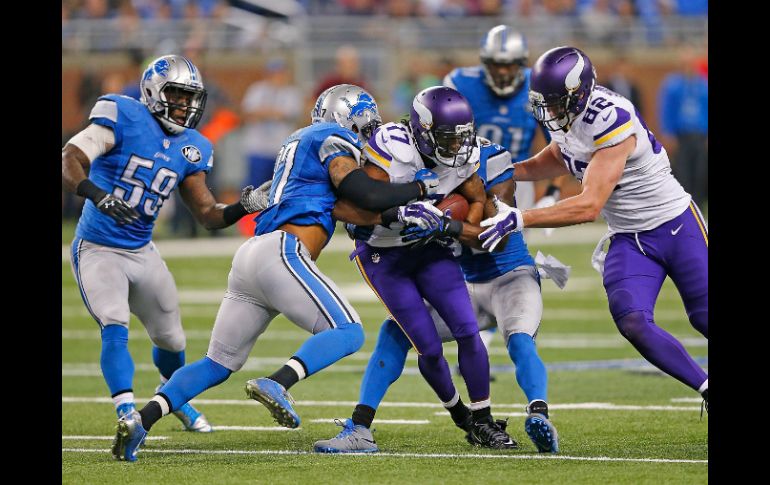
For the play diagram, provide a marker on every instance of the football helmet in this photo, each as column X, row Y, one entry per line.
column 441, row 120
column 349, row 106
column 172, row 88
column 561, row 82
column 504, row 55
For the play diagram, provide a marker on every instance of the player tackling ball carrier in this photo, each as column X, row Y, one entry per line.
column 655, row 229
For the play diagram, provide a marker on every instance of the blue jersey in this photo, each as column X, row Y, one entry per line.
column 495, row 167
column 302, row 192
column 505, row 121
column 143, row 167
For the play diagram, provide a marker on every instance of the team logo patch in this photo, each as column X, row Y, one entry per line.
column 375, row 258
column 192, row 154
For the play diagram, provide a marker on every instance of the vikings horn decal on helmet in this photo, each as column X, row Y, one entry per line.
column 504, row 55
column 172, row 88
column 561, row 82
column 349, row 106
column 441, row 120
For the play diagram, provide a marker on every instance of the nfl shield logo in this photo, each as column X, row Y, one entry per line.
column 375, row 258
column 192, row 154
column 166, row 143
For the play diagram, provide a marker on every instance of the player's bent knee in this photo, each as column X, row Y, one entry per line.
column 353, row 336
column 170, row 341
column 621, row 302
column 633, row 325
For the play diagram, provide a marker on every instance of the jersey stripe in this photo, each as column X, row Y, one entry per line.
column 76, row 247
column 701, row 224
column 614, row 132
column 370, row 153
column 105, row 109
column 301, row 281
column 326, row 284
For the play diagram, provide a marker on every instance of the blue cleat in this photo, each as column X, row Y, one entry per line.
column 193, row 419
column 275, row 398
column 125, row 408
column 539, row 428
column 354, row 438
column 129, row 437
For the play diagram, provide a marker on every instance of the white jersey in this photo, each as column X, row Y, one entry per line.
column 647, row 194
column 393, row 149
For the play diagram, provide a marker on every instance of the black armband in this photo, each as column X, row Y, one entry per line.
column 90, row 190
column 389, row 216
column 454, row 229
column 233, row 212
column 376, row 195
column 553, row 190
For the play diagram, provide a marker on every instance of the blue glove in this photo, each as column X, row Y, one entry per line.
column 362, row 233
column 429, row 181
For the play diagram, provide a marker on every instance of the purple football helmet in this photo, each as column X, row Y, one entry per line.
column 441, row 120
column 559, row 87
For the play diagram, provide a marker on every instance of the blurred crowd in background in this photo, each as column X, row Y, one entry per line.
column 264, row 63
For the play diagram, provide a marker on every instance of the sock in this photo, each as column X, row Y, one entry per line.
column 482, row 411
column 385, row 365
column 193, row 379
column 154, row 410
column 166, row 361
column 325, row 348
column 458, row 410
column 530, row 370
column 538, row 406
column 363, row 415
column 290, row 374
column 117, row 365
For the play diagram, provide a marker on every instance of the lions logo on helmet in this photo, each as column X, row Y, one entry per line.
column 172, row 89
column 334, row 106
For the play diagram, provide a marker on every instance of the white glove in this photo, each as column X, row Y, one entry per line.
column 553, row 269
column 507, row 220
column 421, row 213
column 254, row 200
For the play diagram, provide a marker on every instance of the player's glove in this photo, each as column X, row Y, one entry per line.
column 254, row 200
column 443, row 233
column 508, row 220
column 118, row 209
column 428, row 180
column 421, row 214
column 362, row 233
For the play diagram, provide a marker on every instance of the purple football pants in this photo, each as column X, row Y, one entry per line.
column 401, row 277
column 634, row 270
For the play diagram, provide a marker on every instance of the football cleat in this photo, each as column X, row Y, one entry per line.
column 354, row 438
column 488, row 433
column 193, row 419
column 275, row 398
column 129, row 437
column 539, row 429
column 125, row 408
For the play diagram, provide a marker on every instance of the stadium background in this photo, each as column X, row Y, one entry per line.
column 108, row 43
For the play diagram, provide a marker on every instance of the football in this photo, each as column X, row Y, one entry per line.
column 457, row 204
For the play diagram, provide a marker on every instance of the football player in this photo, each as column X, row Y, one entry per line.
column 275, row 272
column 439, row 136
column 655, row 228
column 504, row 287
column 126, row 163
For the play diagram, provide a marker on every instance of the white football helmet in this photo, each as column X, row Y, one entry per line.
column 504, row 55
column 172, row 88
column 351, row 107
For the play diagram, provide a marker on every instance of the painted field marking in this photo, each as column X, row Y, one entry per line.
column 400, row 455
column 430, row 405
column 253, row 428
column 376, row 421
column 105, row 438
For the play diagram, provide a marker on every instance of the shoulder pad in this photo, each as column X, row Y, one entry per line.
column 611, row 126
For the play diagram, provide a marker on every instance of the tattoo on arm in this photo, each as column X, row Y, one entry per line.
column 340, row 167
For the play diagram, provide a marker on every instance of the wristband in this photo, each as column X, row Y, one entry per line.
column 454, row 229
column 233, row 212
column 90, row 190
column 389, row 216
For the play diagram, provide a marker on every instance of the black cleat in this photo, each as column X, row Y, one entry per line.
column 488, row 433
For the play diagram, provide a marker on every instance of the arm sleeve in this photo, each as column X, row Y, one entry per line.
column 94, row 140
column 375, row 195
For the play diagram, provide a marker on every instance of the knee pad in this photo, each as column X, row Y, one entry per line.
column 621, row 302
column 632, row 325
column 353, row 336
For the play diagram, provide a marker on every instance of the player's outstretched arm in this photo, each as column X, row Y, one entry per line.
column 76, row 157
column 354, row 184
column 600, row 179
column 547, row 164
column 204, row 207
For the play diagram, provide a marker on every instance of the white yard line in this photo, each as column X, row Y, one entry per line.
column 401, row 455
column 562, row 406
column 105, row 438
column 376, row 421
column 253, row 428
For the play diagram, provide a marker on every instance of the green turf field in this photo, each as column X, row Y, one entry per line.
column 619, row 422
